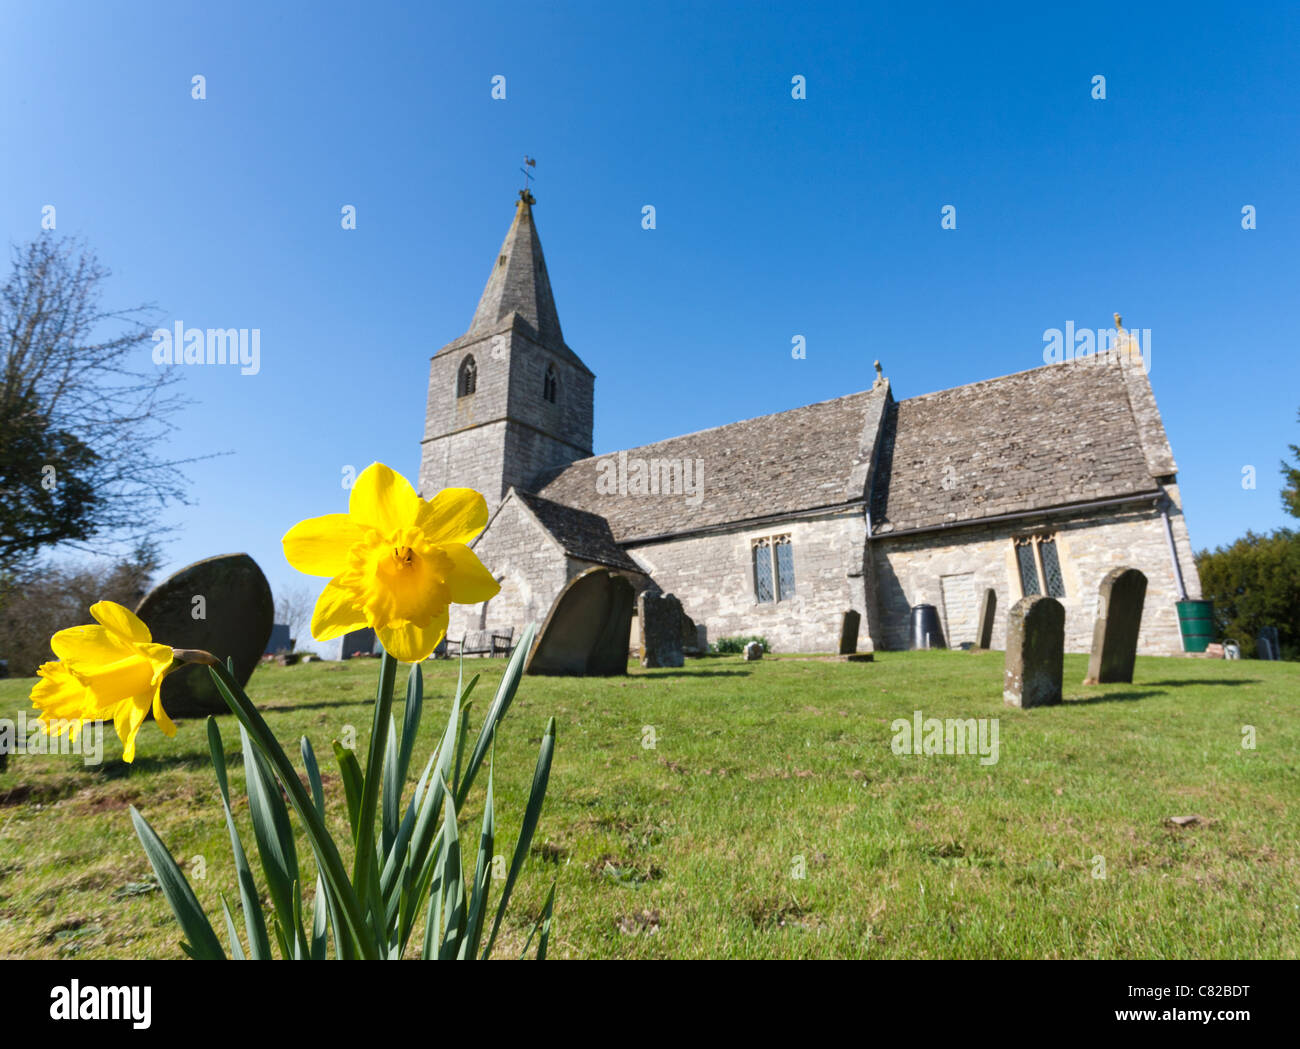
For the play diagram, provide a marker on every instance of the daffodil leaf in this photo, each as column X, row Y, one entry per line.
column 365, row 865
column 259, row 945
column 236, row 948
column 274, row 835
column 547, row 915
column 202, row 941
column 500, row 704
column 393, row 780
column 355, row 935
column 351, row 773
column 453, row 885
column 532, row 814
column 482, row 875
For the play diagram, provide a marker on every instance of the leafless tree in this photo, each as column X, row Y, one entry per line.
column 84, row 411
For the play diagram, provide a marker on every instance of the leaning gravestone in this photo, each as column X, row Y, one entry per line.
column 1115, row 635
column 988, row 610
column 1035, row 652
column 588, row 628
column 753, row 651
column 849, row 625
column 222, row 605
column 659, row 618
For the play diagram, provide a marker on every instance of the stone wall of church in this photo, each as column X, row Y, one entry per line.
column 465, row 459
column 713, row 577
column 527, row 562
column 949, row 569
column 568, row 420
column 506, row 432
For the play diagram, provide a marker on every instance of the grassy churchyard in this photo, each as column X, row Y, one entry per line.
column 754, row 810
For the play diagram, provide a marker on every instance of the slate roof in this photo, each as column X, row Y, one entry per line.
column 786, row 462
column 1053, row 436
column 1056, row 435
column 581, row 534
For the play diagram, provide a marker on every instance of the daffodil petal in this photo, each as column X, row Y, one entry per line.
column 121, row 621
column 412, row 642
column 89, row 644
column 337, row 612
column 468, row 582
column 127, row 721
column 320, row 545
column 454, row 515
column 383, row 499
column 159, row 715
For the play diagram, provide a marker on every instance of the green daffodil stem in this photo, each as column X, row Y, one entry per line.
column 364, row 867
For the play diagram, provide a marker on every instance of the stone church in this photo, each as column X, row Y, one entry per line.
column 1034, row 483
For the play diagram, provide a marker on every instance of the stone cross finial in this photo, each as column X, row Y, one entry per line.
column 880, row 374
column 1119, row 321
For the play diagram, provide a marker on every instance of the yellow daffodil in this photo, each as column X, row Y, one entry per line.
column 110, row 669
column 397, row 562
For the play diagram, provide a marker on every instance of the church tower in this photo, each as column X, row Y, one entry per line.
column 509, row 402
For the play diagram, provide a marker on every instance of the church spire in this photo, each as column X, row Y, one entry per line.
column 519, row 282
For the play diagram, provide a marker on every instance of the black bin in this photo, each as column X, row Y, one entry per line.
column 925, row 627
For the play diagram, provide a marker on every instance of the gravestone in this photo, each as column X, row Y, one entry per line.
column 849, row 624
column 279, row 641
column 358, row 643
column 1267, row 644
column 690, row 636
column 588, row 628
column 753, row 651
column 1115, row 634
column 1035, row 652
column 988, row 611
column 222, row 605
column 659, row 619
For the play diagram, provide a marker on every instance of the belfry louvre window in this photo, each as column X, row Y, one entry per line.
column 773, row 560
column 1039, row 566
column 550, row 384
column 467, row 379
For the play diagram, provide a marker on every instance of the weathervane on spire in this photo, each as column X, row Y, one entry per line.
column 526, row 193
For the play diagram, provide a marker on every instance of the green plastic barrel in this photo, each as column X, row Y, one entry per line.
column 1196, row 622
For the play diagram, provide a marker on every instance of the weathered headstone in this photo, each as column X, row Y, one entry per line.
column 358, row 643
column 1035, row 652
column 690, row 637
column 222, row 605
column 753, row 651
column 988, row 611
column 659, row 619
column 1267, row 644
column 849, row 624
column 279, row 641
column 1115, row 635
column 588, row 628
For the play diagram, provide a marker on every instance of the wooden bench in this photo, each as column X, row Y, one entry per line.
column 490, row 643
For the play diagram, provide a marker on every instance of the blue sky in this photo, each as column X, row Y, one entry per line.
column 776, row 217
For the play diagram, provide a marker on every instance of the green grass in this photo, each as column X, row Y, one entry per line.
column 688, row 849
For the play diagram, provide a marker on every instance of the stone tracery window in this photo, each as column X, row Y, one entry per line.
column 467, row 378
column 773, row 565
column 1039, row 565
